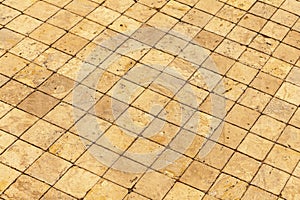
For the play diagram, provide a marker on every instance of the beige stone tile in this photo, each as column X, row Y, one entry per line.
column 230, row 13
column 189, row 2
column 212, row 6
column 26, row 187
column 200, row 176
column 56, row 194
column 287, row 53
column 8, row 176
column 162, row 21
column 254, row 99
column 230, row 49
column 119, row 6
column 3, row 80
column 64, row 19
column 197, row 17
column 20, row 155
column 35, row 103
column 187, row 31
column 283, row 158
column 20, row 120
column 48, row 168
column 254, row 58
column 275, row 3
column 103, row 16
column 106, row 190
column 290, row 138
column 297, row 171
column 194, row 53
column 35, row 10
column 252, row 22
column 297, row 25
column 4, row 108
column 9, row 38
column 7, row 14
column 19, row 6
column 208, row 197
column 266, row 83
column 292, row 6
column 263, row 10
column 241, row 35
column 217, row 157
column 6, row 140
column 268, row 127
column 208, row 39
column 285, row 18
column 267, row 176
column 227, row 187
column 13, row 92
column 148, row 35
column 230, row 89
column 218, row 63
column 277, row 68
column 52, row 59
column 132, row 44
column 254, row 193
column 47, row 33
column 11, row 64
column 255, row 146
column 69, row 147
column 33, row 75
column 175, row 9
column 87, row 29
column 77, row 182
column 280, row 110
column 57, row 86
column 24, row 24
column 59, row 3
column 110, row 39
column 81, row 7
column 242, row 116
column 244, row 6
column 288, row 92
column 242, row 73
column 264, row 44
column 183, row 191
column 180, row 68
column 133, row 195
column 140, row 12
column 72, row 48
column 242, row 166
column 118, row 174
column 149, row 185
column 295, row 119
column 125, row 25
column 292, row 38
column 171, row 44
column 219, row 26
column 292, row 188
column 42, row 134
column 29, row 49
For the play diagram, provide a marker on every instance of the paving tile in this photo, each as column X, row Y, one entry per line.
column 103, row 16
column 295, row 119
column 7, row 14
column 255, row 193
column 287, row 53
column 230, row 49
column 64, row 44
column 230, row 89
column 47, row 33
column 208, row 40
column 125, row 25
column 243, row 6
column 219, row 26
column 263, row 10
column 77, row 182
column 230, row 13
column 24, row 24
column 35, row 10
column 8, row 176
column 56, row 194
column 175, row 9
column 289, row 138
column 264, row 44
column 197, row 17
column 140, row 12
column 6, row 140
column 242, row 73
column 9, row 38
column 212, row 6
column 119, row 6
column 266, row 83
column 81, row 7
column 184, row 192
column 19, row 6
column 241, row 35
column 291, row 190
column 87, row 29
column 64, row 19
column 252, row 22
column 254, row 58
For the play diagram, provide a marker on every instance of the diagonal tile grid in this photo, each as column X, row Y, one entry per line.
column 149, row 99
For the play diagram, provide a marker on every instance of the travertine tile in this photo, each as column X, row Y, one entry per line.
column 87, row 29
column 230, row 89
column 230, row 13
column 242, row 166
column 285, row 18
column 81, row 7
column 254, row 193
column 291, row 5
column 208, row 39
column 263, row 10
column 7, row 14
column 77, row 182
column 119, row 6
column 171, row 44
column 59, row 3
column 227, row 187
column 290, row 138
column 133, row 195
column 183, row 191
column 252, row 22
column 241, row 35
column 149, row 185
column 35, row 10
column 64, row 19
column 188, row 31
column 9, row 38
column 6, row 140
column 26, row 187
column 287, row 53
column 175, row 9
column 241, row 73
column 255, row 146
column 19, row 5
column 47, row 33
column 200, row 175
column 254, row 58
column 56, row 194
column 48, row 168
column 292, row 38
column 230, row 49
column 20, row 155
column 266, row 83
column 254, row 99
column 264, row 44
column 292, row 188
column 11, row 64
column 296, row 119
column 267, row 176
column 280, row 110
column 211, row 6
column 125, row 25
column 288, row 92
column 24, row 24
column 197, row 17
column 219, row 26
column 103, row 16
column 64, row 44
column 245, row 5
column 8, row 176
column 155, row 3
column 140, row 12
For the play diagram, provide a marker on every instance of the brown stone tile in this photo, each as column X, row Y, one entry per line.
column 64, row 19
column 255, row 146
column 48, row 168
column 64, row 44
column 107, row 190
column 227, row 187
column 183, row 191
column 267, row 176
column 77, row 182
column 149, row 185
column 197, row 18
column 24, row 24
column 280, row 110
column 33, row 75
column 47, row 33
column 242, row 166
column 57, row 85
column 8, row 176
column 29, row 49
column 200, row 176
column 20, row 155
column 254, row 193
column 26, row 187
column 35, row 10
column 266, row 83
